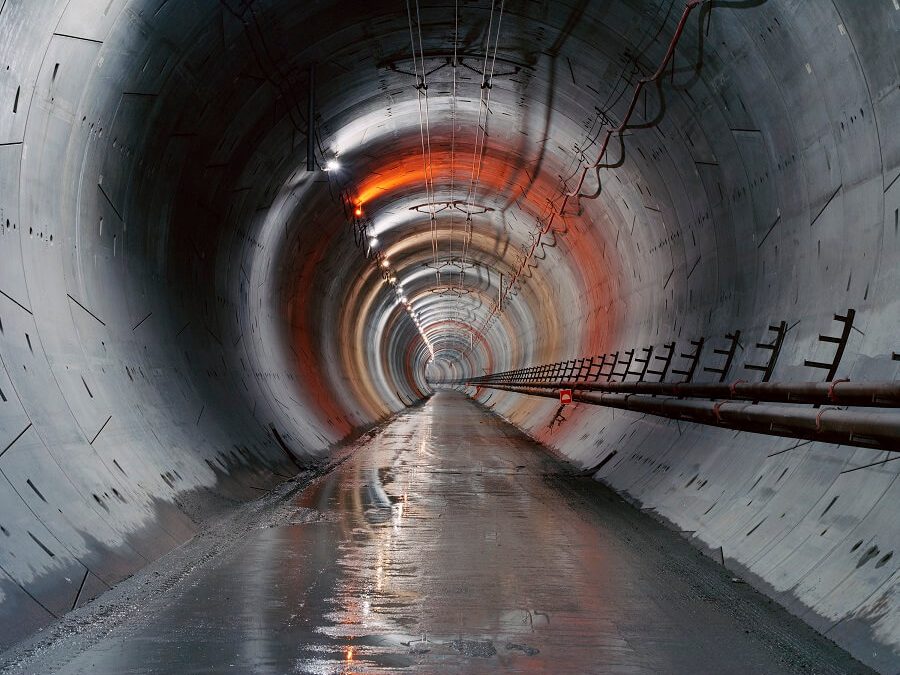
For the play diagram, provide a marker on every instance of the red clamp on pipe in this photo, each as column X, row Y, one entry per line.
column 819, row 417
column 735, row 384
column 716, row 410
column 831, row 396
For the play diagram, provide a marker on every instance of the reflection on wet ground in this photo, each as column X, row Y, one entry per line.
column 451, row 543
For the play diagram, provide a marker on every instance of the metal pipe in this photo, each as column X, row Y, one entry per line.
column 841, row 392
column 827, row 425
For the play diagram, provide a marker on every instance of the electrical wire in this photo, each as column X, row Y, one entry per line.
column 597, row 164
column 484, row 102
column 424, row 126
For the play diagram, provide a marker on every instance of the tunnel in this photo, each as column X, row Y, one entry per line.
column 652, row 241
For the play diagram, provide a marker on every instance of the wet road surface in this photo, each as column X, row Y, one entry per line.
column 449, row 542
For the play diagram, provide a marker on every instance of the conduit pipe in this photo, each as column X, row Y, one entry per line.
column 840, row 392
column 827, row 425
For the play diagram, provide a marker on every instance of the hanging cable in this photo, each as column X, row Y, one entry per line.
column 424, row 125
column 487, row 77
column 425, row 139
column 597, row 165
column 453, row 132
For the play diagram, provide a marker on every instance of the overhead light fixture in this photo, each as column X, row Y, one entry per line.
column 332, row 165
column 358, row 211
column 373, row 242
column 385, row 263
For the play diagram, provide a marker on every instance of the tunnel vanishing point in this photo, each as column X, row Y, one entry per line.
column 237, row 235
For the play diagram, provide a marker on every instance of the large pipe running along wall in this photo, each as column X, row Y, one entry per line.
column 188, row 317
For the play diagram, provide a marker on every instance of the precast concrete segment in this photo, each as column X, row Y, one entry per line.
column 186, row 319
column 450, row 542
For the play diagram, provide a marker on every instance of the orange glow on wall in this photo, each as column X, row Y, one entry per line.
column 370, row 374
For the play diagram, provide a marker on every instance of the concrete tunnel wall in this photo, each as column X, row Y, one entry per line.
column 187, row 318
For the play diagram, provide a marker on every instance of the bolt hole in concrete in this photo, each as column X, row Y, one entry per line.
column 429, row 336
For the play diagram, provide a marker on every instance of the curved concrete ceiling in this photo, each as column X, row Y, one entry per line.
column 188, row 314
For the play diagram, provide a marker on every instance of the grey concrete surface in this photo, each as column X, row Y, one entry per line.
column 448, row 542
column 186, row 319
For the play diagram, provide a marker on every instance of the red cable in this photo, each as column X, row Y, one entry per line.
column 831, row 395
column 689, row 7
column 716, row 410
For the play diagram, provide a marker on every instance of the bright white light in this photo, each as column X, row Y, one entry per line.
column 385, row 263
column 373, row 242
column 332, row 165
